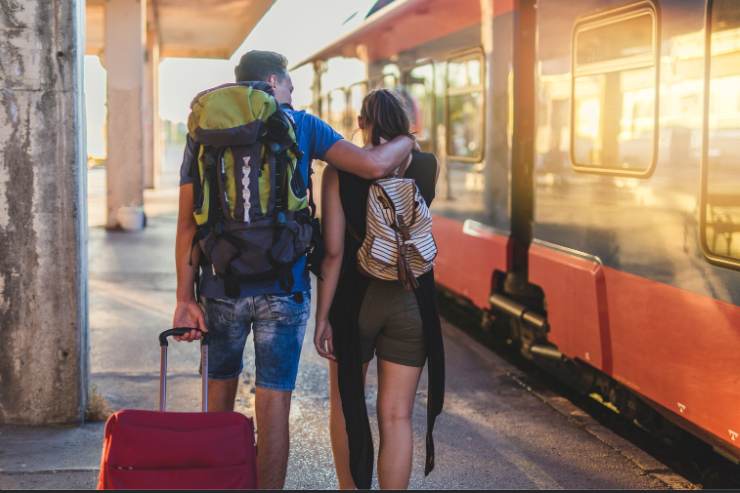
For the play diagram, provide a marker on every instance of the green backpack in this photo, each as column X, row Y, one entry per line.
column 251, row 203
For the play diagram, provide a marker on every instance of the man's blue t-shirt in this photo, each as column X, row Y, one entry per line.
column 314, row 137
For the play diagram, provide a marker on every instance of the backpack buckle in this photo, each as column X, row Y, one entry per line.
column 281, row 218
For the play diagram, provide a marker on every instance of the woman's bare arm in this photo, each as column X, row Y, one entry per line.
column 333, row 225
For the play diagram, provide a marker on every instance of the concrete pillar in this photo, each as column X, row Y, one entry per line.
column 125, row 47
column 319, row 67
column 43, row 217
column 150, row 112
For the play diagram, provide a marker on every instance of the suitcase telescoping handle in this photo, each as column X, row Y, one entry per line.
column 179, row 331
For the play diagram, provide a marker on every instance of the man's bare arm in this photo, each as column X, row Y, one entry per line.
column 185, row 232
column 373, row 163
column 187, row 311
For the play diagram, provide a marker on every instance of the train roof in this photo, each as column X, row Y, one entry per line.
column 401, row 25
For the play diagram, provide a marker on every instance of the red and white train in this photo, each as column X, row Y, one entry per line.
column 590, row 184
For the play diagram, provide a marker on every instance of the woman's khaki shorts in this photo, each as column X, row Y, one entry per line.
column 390, row 325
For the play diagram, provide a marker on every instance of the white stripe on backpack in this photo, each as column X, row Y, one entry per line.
column 245, row 188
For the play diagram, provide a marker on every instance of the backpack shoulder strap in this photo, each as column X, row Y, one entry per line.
column 311, row 202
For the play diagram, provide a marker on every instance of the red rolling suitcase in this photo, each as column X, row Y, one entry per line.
column 178, row 450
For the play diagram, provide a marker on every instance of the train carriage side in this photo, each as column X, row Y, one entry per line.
column 636, row 254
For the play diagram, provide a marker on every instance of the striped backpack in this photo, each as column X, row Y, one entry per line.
column 398, row 243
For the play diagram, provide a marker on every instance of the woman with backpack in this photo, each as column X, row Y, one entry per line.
column 361, row 312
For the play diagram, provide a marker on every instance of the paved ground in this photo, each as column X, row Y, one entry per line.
column 494, row 433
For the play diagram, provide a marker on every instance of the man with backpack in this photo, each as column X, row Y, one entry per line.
column 245, row 222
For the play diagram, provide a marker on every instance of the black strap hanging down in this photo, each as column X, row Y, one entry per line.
column 316, row 251
column 311, row 202
column 211, row 159
column 231, row 287
column 281, row 176
column 200, row 233
column 196, row 284
column 197, row 181
column 285, row 279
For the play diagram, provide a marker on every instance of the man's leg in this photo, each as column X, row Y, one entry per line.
column 273, row 441
column 279, row 327
column 222, row 394
column 228, row 327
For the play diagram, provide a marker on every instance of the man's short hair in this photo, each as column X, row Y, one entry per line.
column 260, row 65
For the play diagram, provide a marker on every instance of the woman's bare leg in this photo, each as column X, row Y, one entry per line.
column 396, row 391
column 337, row 430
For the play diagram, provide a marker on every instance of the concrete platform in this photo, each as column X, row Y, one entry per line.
column 493, row 433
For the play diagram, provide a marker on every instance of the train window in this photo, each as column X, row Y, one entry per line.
column 418, row 95
column 614, row 89
column 357, row 93
column 720, row 215
column 337, row 110
column 464, row 101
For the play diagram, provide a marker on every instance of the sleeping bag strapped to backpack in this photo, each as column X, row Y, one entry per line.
column 251, row 204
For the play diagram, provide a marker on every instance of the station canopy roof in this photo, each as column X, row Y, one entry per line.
column 401, row 25
column 187, row 28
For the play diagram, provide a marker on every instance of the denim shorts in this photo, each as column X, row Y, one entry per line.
column 279, row 324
